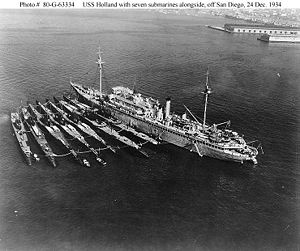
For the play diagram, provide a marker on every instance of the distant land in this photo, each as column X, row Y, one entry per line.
column 283, row 17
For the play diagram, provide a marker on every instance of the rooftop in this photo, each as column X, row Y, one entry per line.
column 263, row 26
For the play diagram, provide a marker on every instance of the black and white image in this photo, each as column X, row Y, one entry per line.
column 149, row 129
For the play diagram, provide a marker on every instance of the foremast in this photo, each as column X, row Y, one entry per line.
column 100, row 63
column 206, row 92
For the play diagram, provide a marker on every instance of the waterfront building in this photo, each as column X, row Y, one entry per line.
column 260, row 29
column 291, row 38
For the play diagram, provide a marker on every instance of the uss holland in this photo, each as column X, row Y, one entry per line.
column 147, row 115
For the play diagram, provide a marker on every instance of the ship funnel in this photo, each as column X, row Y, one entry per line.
column 160, row 113
column 168, row 107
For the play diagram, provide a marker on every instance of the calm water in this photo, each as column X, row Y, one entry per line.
column 173, row 200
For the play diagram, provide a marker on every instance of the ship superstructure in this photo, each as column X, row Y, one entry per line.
column 147, row 115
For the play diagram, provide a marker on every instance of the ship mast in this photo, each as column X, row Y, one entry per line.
column 100, row 62
column 206, row 92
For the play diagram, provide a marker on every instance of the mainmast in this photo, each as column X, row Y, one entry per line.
column 206, row 92
column 100, row 62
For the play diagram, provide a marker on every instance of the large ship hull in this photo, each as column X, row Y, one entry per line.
column 164, row 133
column 167, row 135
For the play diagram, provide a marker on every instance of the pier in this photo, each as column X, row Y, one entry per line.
column 218, row 28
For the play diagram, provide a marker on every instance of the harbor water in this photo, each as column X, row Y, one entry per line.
column 173, row 200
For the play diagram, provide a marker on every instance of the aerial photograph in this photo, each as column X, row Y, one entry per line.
column 150, row 129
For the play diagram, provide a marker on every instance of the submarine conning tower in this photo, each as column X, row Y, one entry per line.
column 168, row 107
